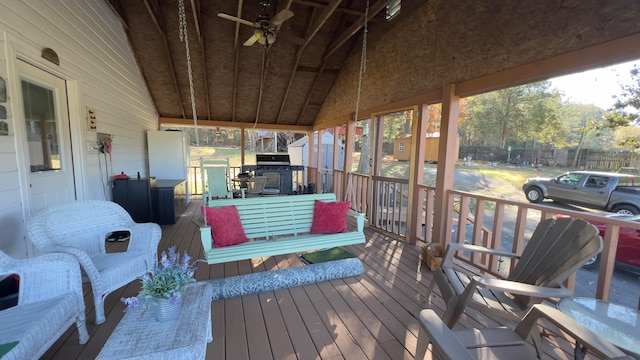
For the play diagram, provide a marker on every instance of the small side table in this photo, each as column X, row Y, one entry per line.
column 618, row 324
column 140, row 336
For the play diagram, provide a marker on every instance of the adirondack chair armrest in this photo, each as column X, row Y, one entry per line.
column 359, row 220
column 436, row 332
column 452, row 248
column 518, row 288
column 600, row 347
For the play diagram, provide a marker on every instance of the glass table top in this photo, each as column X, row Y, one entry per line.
column 618, row 324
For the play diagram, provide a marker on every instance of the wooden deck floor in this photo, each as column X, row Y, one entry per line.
column 372, row 316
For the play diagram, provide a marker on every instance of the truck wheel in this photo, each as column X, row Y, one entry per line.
column 626, row 210
column 593, row 263
column 534, row 195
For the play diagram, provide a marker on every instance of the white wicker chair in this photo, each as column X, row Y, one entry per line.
column 80, row 228
column 50, row 300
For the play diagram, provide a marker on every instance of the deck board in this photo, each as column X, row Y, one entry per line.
column 370, row 316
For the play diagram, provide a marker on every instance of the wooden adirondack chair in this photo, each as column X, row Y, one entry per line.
column 503, row 343
column 219, row 182
column 557, row 248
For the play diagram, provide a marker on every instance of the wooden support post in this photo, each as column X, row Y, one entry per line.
column 336, row 158
column 446, row 161
column 348, row 158
column 416, row 173
column 319, row 163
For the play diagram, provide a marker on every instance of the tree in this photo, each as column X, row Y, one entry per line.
column 516, row 114
column 575, row 131
column 625, row 112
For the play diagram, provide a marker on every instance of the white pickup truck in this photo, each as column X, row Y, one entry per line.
column 613, row 192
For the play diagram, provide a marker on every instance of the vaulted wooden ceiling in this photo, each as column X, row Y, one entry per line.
column 284, row 83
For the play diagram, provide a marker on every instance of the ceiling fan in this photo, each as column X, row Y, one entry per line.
column 265, row 26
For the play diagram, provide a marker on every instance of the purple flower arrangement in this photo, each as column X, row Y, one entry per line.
column 167, row 281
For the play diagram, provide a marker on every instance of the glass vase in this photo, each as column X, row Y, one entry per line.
column 165, row 311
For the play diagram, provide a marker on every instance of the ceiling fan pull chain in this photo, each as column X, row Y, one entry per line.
column 184, row 36
column 363, row 59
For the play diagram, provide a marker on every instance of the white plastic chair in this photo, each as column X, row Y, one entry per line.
column 50, row 300
column 80, row 228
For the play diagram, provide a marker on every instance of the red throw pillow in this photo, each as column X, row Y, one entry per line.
column 226, row 228
column 329, row 217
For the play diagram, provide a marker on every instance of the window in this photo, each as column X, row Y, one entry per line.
column 42, row 127
column 401, row 146
column 570, row 179
column 597, row 181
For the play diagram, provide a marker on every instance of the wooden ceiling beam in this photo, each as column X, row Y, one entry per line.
column 318, row 23
column 155, row 13
column 307, row 99
column 315, row 69
column 236, row 60
column 195, row 9
column 157, row 19
column 265, row 68
column 321, row 5
column 231, row 124
column 117, row 9
column 373, row 11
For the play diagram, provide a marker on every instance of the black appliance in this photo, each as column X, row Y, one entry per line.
column 276, row 162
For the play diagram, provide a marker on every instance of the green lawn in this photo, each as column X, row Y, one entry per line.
column 397, row 169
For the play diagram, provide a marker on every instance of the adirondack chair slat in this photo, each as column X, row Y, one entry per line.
column 556, row 249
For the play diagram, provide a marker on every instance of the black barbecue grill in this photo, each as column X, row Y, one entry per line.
column 280, row 163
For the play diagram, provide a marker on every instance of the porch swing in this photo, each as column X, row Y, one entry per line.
column 276, row 225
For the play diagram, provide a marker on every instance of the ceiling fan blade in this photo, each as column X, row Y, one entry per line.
column 281, row 17
column 253, row 39
column 287, row 36
column 237, row 19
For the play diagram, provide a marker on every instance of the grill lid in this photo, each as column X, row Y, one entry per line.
column 273, row 159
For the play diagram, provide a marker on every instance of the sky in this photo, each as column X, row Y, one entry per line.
column 595, row 86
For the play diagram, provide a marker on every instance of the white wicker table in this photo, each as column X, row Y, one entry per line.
column 140, row 336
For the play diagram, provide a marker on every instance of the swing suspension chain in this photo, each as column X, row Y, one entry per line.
column 363, row 59
column 182, row 25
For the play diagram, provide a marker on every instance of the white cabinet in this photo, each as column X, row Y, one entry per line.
column 169, row 156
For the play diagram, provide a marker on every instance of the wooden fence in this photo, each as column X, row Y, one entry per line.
column 584, row 159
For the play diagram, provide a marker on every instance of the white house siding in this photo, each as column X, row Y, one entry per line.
column 95, row 55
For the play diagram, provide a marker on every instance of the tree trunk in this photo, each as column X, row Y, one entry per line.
column 363, row 163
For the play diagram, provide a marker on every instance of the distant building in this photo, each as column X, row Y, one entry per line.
column 299, row 155
column 402, row 147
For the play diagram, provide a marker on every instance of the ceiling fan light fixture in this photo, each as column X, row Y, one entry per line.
column 269, row 39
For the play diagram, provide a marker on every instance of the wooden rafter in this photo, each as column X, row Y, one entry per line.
column 265, row 68
column 315, row 70
column 373, row 11
column 195, row 7
column 321, row 6
column 236, row 55
column 117, row 9
column 307, row 100
column 311, row 32
column 157, row 19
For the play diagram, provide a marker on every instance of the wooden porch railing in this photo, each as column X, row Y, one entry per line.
column 482, row 220
column 471, row 218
